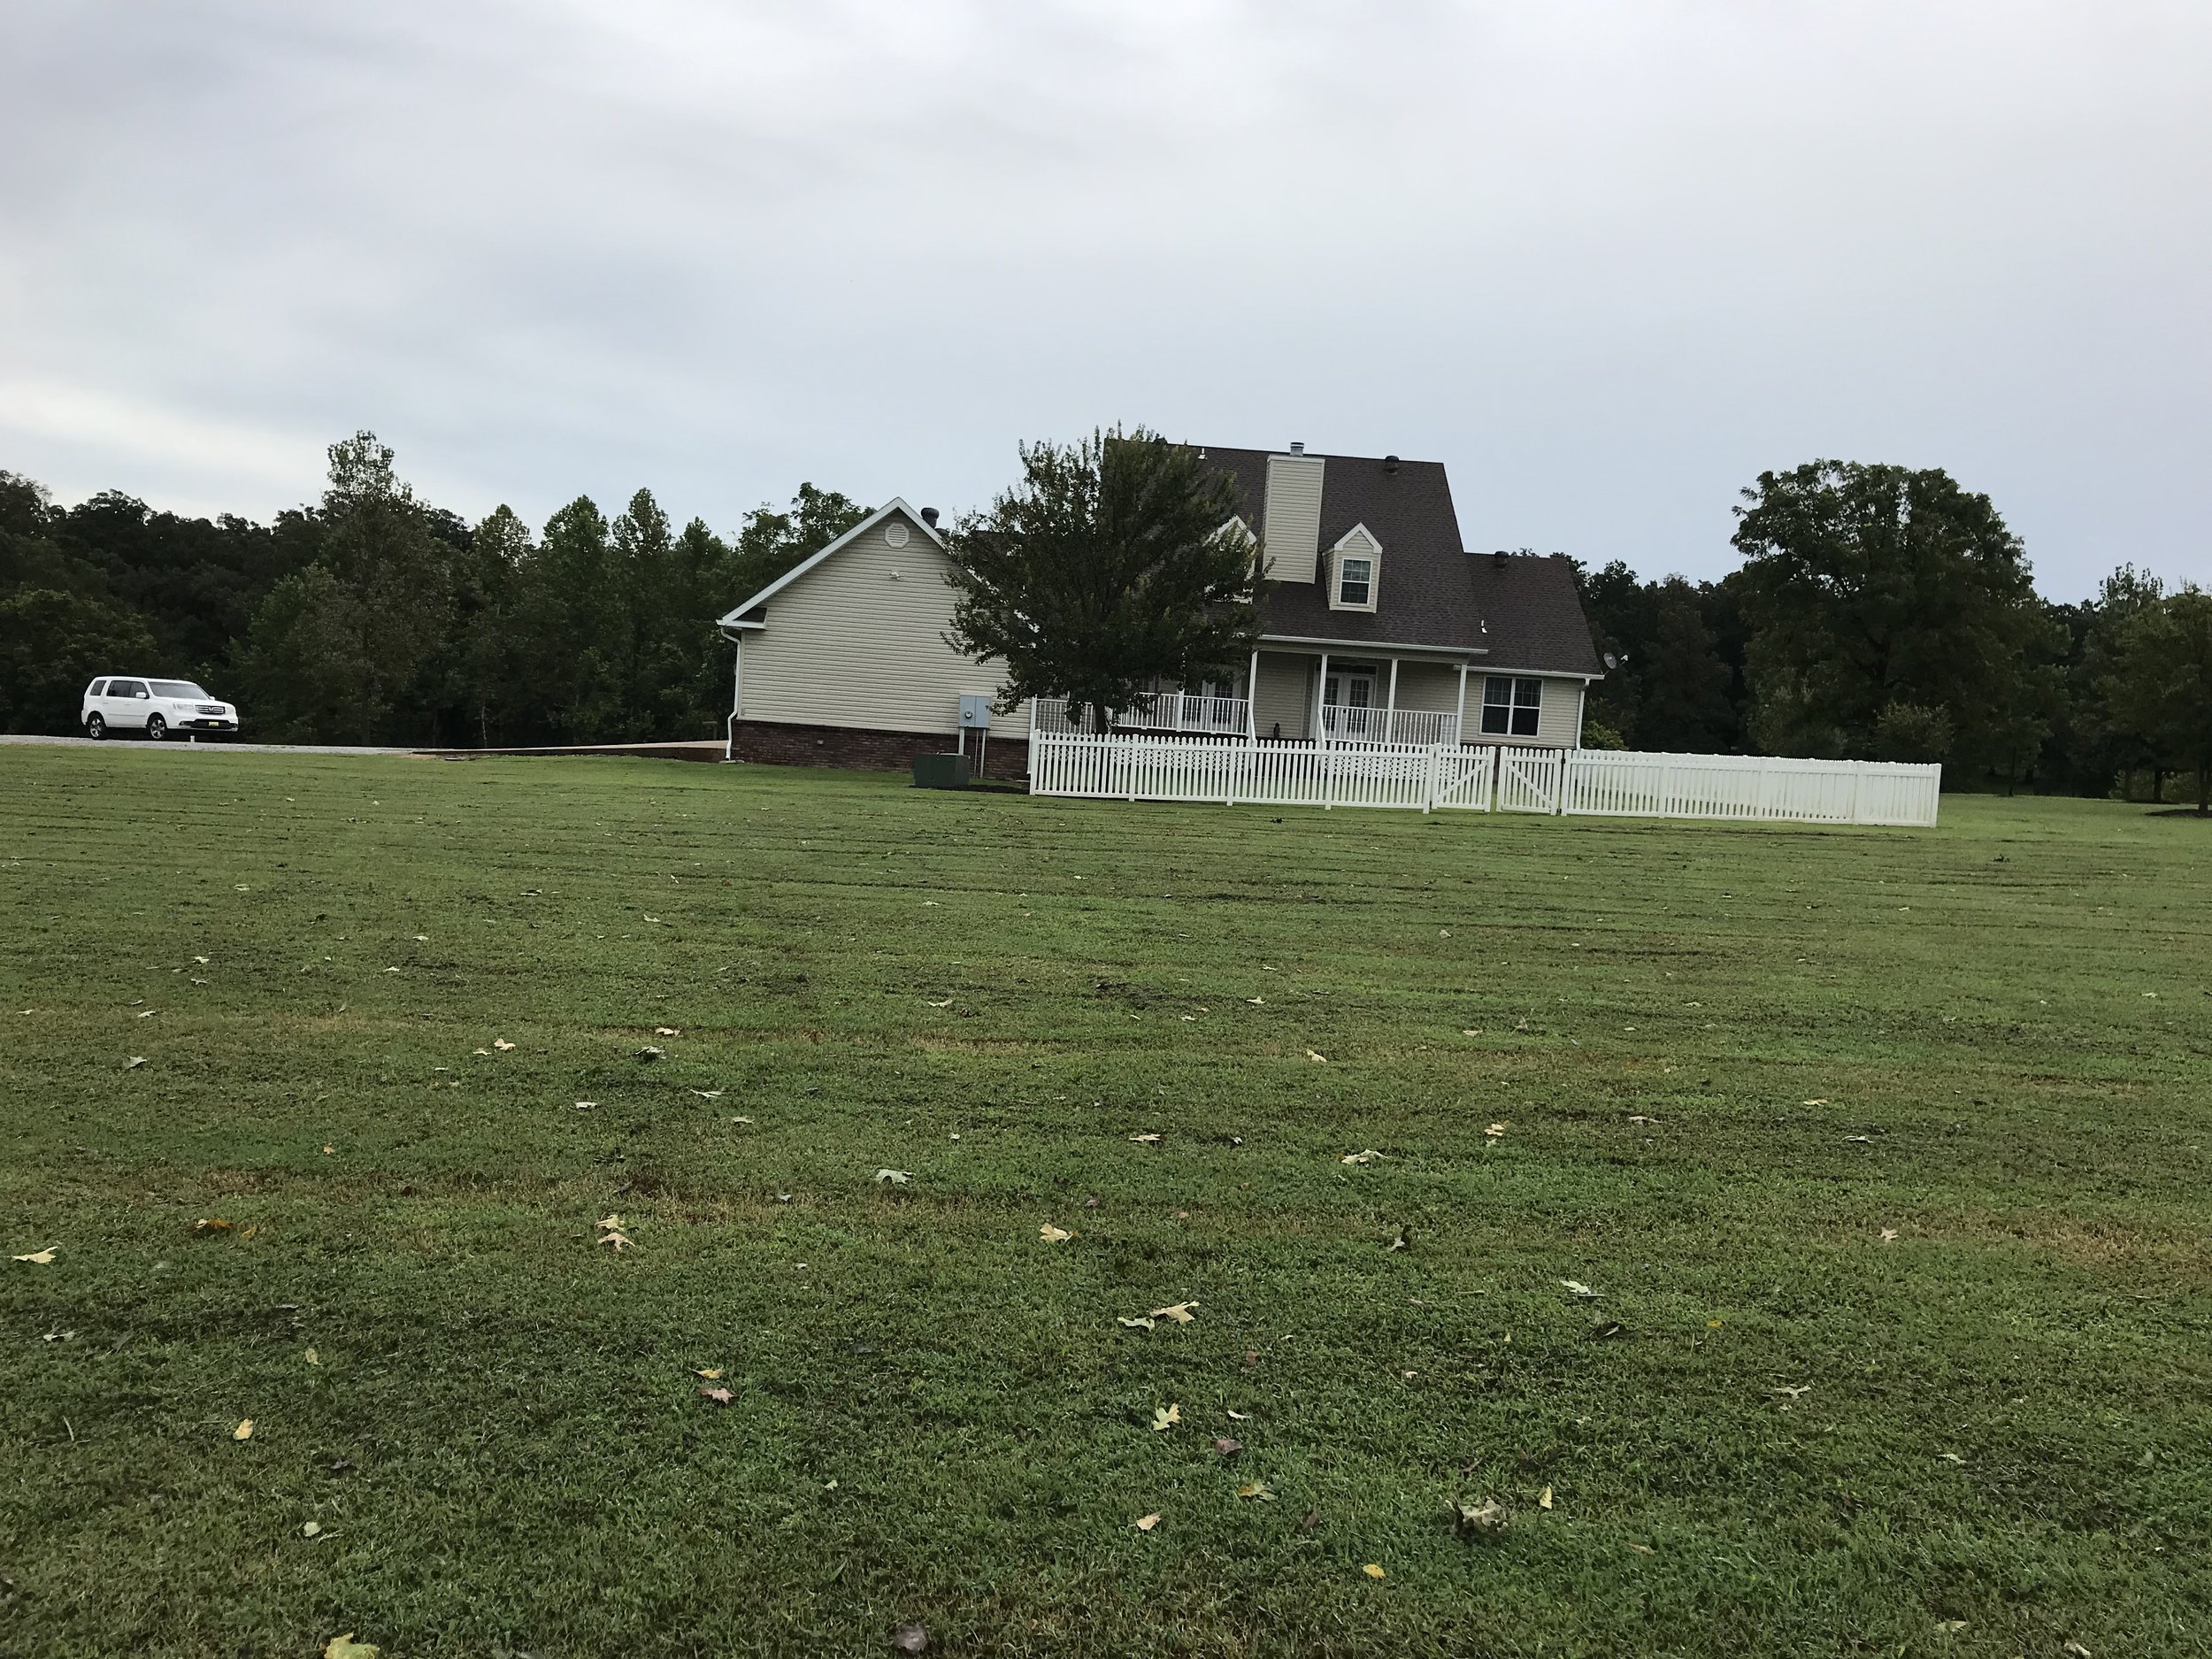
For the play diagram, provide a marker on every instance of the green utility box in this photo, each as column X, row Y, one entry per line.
column 941, row 772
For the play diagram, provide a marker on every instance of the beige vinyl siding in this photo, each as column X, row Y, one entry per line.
column 1560, row 721
column 1285, row 694
column 857, row 642
column 1558, row 718
column 1432, row 686
column 1291, row 524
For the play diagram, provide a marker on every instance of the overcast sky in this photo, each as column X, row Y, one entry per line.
column 1607, row 259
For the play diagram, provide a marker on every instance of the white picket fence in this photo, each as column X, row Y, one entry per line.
column 1480, row 778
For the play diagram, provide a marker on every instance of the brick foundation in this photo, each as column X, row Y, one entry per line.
column 862, row 750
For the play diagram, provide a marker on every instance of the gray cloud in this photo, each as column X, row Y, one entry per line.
column 1606, row 259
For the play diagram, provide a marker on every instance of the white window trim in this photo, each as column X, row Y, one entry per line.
column 1357, row 542
column 1511, row 706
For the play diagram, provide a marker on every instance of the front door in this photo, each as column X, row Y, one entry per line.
column 1350, row 693
column 127, row 703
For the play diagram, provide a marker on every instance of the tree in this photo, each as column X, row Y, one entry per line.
column 1686, row 708
column 52, row 645
column 1867, row 587
column 1111, row 566
column 772, row 544
column 2159, row 685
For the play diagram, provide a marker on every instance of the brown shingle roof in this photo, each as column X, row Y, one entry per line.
column 1525, row 615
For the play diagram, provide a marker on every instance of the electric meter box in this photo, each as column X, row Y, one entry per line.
column 975, row 714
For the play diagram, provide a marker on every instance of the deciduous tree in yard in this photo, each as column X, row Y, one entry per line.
column 1111, row 566
column 2159, row 685
column 1872, row 589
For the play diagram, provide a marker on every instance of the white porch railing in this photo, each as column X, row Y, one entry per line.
column 1480, row 778
column 1347, row 723
column 1158, row 711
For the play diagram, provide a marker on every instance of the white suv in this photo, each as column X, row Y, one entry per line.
column 156, row 707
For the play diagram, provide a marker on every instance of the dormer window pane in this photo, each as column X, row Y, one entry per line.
column 1355, row 581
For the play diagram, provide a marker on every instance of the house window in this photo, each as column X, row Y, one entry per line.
column 1354, row 582
column 1510, row 708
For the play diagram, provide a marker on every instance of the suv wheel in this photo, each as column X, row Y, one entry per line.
column 156, row 729
column 95, row 728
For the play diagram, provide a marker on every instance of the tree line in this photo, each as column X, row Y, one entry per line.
column 1879, row 612
column 374, row 617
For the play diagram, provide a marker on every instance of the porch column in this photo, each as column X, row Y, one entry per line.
column 1463, row 702
column 1252, row 701
column 1390, row 706
column 1320, row 699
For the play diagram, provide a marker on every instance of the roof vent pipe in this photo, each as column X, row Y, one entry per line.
column 1500, row 557
column 1390, row 463
column 1297, row 448
column 929, row 517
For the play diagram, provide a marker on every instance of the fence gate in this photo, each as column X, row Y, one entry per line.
column 1529, row 779
column 1465, row 776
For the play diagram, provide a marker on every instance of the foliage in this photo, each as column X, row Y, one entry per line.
column 772, row 544
column 1868, row 586
column 52, row 644
column 2159, row 686
column 1756, row 1061
column 1111, row 567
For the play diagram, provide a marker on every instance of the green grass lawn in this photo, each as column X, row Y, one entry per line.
column 1725, row 1063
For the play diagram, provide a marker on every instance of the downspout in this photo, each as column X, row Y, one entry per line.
column 737, row 691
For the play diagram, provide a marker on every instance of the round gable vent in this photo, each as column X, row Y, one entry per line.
column 894, row 533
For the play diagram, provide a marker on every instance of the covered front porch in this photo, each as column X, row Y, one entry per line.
column 1298, row 695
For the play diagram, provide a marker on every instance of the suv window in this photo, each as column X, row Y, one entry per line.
column 99, row 689
column 126, row 689
column 177, row 688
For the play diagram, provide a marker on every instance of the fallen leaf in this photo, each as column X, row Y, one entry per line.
column 2077, row 1649
column 1951, row 1458
column 712, row 1373
column 39, row 1258
column 1312, row 1520
column 667, row 1031
column 502, row 1044
column 1543, row 1498
column 345, row 1647
column 1862, row 1140
column 1146, row 1523
column 1318, row 1059
column 1146, row 1140
column 328, row 1150
column 895, row 1178
column 946, row 1003
column 650, row 1052
column 1495, row 1130
column 910, row 1638
column 1240, row 1416
column 309, row 1529
column 586, row 1105
column 710, row 1094
column 1165, row 1417
column 201, row 960
column 1373, row 1570
column 149, row 1013
column 1051, row 1234
column 1137, row 1324
column 1951, row 1625
column 1797, row 1392
column 1257, row 1002
column 134, row 1061
column 212, row 1224
column 1091, row 1202
column 1471, row 1030
column 1487, row 1519
column 244, row 1431
column 1643, row 1120
column 1816, row 1102
column 480, row 1051
column 1404, row 1241
column 1258, row 1489
column 313, row 1358
column 609, row 1224
column 1180, row 1312
column 1641, row 1549
column 1576, row 1287
column 1368, row 1157
column 718, row 1396
column 1227, row 1447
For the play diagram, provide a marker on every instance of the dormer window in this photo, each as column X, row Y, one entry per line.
column 1355, row 570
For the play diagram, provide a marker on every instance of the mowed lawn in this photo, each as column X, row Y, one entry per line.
column 1882, row 1152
